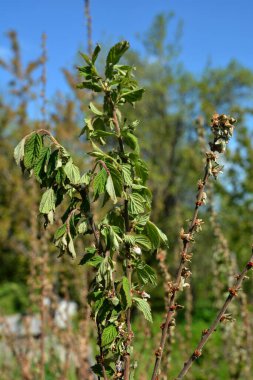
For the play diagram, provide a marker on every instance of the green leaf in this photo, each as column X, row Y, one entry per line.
column 117, row 178
column 40, row 165
column 72, row 172
column 144, row 307
column 90, row 86
column 19, row 151
column 153, row 234
column 110, row 189
column 33, row 146
column 91, row 258
column 127, row 174
column 132, row 96
column 83, row 227
column 141, row 169
column 146, row 274
column 99, row 183
column 71, row 247
column 97, row 369
column 132, row 141
column 60, row 232
column 108, row 335
column 86, row 58
column 47, row 202
column 127, row 291
column 143, row 241
column 95, row 53
column 85, row 179
column 114, row 56
column 141, row 220
column 136, row 204
column 95, row 110
column 60, row 176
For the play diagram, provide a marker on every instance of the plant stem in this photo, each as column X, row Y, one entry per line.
column 207, row 333
column 186, row 243
column 101, row 356
column 128, row 256
column 128, row 312
column 84, row 195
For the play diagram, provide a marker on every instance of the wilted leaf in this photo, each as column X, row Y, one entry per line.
column 110, row 189
column 47, row 202
column 72, row 172
column 19, row 151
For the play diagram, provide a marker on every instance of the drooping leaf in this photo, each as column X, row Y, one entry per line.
column 163, row 237
column 95, row 110
column 19, row 151
column 60, row 176
column 110, row 189
column 141, row 170
column 72, row 172
column 99, row 183
column 144, row 307
column 153, row 234
column 127, row 291
column 40, row 165
column 117, row 179
column 85, row 179
column 132, row 141
column 108, row 335
column 71, row 247
column 47, row 202
column 60, row 232
column 33, row 145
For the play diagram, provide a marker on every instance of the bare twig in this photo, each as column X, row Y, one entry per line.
column 222, row 128
column 89, row 25
column 233, row 291
column 172, row 307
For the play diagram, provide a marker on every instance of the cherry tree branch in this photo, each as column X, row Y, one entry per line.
column 206, row 334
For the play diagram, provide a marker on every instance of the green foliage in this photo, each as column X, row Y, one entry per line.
column 118, row 176
column 13, row 298
column 144, row 307
column 108, row 335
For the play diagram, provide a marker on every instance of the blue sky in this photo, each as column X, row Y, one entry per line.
column 213, row 29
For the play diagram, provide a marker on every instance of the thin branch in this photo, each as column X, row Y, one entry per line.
column 222, row 128
column 172, row 307
column 207, row 333
column 89, row 25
